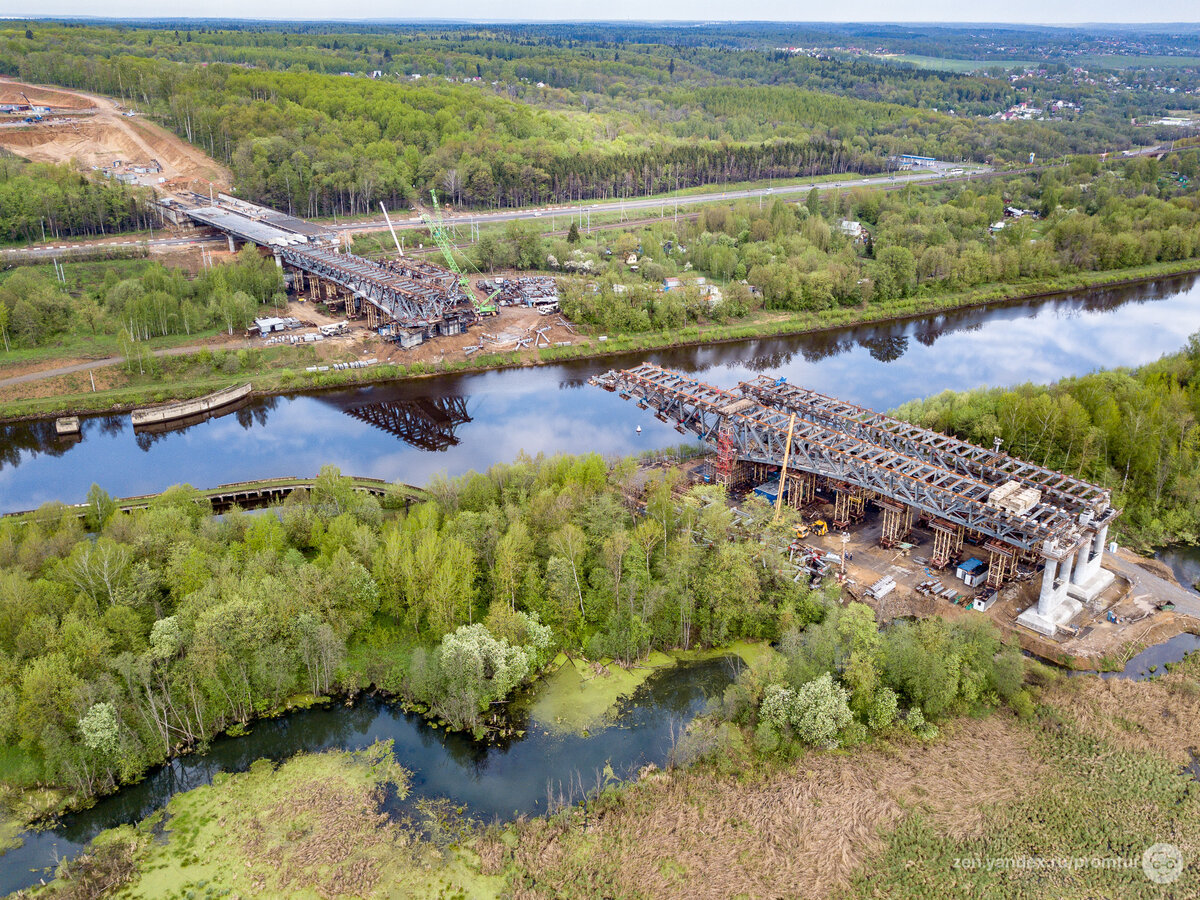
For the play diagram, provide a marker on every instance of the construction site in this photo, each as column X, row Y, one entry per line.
column 915, row 522
column 56, row 125
column 403, row 300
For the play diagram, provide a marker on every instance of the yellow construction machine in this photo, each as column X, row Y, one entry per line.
column 818, row 528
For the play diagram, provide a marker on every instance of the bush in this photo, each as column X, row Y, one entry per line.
column 815, row 713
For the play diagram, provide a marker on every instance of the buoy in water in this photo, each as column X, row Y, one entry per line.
column 639, row 429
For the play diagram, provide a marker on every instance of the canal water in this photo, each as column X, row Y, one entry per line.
column 410, row 431
column 492, row 782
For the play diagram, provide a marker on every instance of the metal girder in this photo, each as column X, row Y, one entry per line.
column 1068, row 493
column 403, row 300
column 759, row 432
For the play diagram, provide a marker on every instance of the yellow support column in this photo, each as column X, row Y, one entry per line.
column 787, row 452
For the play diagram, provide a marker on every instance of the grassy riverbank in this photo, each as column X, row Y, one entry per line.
column 281, row 369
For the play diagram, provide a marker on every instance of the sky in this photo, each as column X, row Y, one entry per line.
column 1017, row 11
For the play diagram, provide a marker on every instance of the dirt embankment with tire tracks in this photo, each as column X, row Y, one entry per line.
column 93, row 131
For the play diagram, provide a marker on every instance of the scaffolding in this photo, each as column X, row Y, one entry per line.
column 1002, row 563
column 849, row 504
column 897, row 522
column 947, row 543
column 726, row 463
column 801, row 488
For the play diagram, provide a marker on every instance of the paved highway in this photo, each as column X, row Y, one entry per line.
column 665, row 205
column 668, row 204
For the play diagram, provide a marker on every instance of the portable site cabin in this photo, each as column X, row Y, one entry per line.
column 971, row 572
column 982, row 603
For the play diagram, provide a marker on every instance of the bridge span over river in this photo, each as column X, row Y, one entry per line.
column 1016, row 510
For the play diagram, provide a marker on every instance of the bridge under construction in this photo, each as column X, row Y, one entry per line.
column 402, row 298
column 1019, row 512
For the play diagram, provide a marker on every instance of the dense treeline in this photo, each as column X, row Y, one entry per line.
column 168, row 625
column 837, row 681
column 320, row 144
column 40, row 201
column 269, row 103
column 155, row 302
column 917, row 242
column 1133, row 431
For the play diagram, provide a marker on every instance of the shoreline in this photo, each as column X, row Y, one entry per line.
column 691, row 336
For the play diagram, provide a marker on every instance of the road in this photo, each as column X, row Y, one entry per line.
column 93, row 364
column 580, row 211
column 664, row 205
column 1145, row 583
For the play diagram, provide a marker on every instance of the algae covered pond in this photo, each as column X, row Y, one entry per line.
column 574, row 726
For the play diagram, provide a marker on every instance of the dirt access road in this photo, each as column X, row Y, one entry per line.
column 95, row 132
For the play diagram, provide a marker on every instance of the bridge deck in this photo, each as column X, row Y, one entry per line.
column 1070, row 493
column 844, row 449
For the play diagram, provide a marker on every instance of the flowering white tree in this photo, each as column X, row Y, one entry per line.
column 815, row 713
column 478, row 668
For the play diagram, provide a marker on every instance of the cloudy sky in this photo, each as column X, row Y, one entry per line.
column 1032, row 11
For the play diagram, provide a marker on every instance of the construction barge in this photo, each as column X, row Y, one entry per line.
column 197, row 410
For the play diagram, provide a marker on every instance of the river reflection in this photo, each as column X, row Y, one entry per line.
column 459, row 422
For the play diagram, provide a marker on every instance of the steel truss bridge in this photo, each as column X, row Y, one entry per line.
column 408, row 293
column 948, row 480
column 411, row 298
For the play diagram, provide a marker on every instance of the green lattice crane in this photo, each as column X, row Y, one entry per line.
column 437, row 230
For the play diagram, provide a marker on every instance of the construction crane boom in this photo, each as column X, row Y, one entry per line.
column 437, row 230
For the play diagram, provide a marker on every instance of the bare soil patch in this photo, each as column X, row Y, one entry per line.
column 11, row 91
column 104, row 136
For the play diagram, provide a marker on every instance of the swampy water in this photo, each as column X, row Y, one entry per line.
column 491, row 781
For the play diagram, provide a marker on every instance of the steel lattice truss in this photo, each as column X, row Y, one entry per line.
column 835, row 450
column 408, row 302
column 427, row 424
column 1071, row 494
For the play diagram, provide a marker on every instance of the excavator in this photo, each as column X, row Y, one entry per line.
column 818, row 528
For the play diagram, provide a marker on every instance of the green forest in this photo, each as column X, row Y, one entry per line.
column 168, row 626
column 501, row 117
column 153, row 301
column 41, row 201
column 128, row 637
column 1136, row 432
column 918, row 241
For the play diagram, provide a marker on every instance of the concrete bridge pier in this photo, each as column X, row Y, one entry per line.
column 1054, row 606
column 232, row 243
column 1090, row 578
